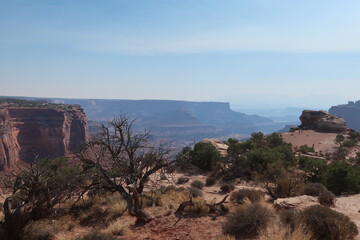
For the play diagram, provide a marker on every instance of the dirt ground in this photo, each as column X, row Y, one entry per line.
column 323, row 142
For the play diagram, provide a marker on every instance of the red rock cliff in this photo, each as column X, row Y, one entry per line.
column 45, row 132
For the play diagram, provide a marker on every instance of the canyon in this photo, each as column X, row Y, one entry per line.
column 40, row 131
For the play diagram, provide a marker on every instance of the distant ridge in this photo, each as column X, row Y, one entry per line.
column 350, row 112
column 172, row 119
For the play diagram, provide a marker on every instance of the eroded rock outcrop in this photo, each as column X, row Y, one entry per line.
column 321, row 121
column 26, row 132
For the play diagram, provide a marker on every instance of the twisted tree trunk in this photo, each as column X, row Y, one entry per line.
column 134, row 206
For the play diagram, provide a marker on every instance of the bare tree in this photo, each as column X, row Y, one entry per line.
column 123, row 161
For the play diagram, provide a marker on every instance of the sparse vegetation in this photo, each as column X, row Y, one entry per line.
column 123, row 161
column 241, row 195
column 314, row 189
column 182, row 180
column 227, row 187
column 326, row 223
column 210, row 180
column 196, row 192
column 197, row 184
column 246, row 221
column 306, row 149
column 326, row 198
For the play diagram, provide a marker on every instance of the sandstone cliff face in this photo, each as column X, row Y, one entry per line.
column 29, row 132
column 350, row 112
column 321, row 121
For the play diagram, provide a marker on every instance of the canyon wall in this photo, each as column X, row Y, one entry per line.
column 350, row 112
column 43, row 132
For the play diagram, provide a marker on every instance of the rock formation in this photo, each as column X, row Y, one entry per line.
column 321, row 121
column 350, row 112
column 26, row 132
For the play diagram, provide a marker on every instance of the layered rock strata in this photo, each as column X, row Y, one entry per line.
column 27, row 133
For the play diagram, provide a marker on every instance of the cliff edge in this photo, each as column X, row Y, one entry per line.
column 350, row 112
column 45, row 130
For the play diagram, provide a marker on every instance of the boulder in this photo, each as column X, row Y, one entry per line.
column 321, row 121
column 299, row 202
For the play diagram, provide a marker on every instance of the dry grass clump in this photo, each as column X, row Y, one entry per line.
column 240, row 196
column 314, row 189
column 197, row 184
column 118, row 228
column 327, row 198
column 105, row 207
column 182, row 180
column 227, row 187
column 290, row 218
column 40, row 230
column 170, row 200
column 210, row 181
column 326, row 223
column 198, row 208
column 247, row 221
column 276, row 231
column 195, row 192
column 98, row 236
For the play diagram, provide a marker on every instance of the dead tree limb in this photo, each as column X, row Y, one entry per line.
column 214, row 207
column 183, row 205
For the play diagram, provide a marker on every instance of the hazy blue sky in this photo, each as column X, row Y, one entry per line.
column 179, row 49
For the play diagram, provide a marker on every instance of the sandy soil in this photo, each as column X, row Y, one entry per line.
column 323, row 142
column 350, row 206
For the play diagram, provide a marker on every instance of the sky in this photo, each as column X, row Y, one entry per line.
column 180, row 49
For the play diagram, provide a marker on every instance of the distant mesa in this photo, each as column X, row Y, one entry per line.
column 350, row 112
column 34, row 128
column 178, row 122
column 321, row 121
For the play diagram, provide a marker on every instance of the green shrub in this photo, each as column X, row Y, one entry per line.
column 246, row 221
column 326, row 223
column 313, row 167
column 204, row 156
column 326, row 198
column 182, row 180
column 282, row 183
column 210, row 181
column 197, row 184
column 239, row 196
column 314, row 189
column 350, row 143
column 354, row 135
column 183, row 159
column 274, row 140
column 227, row 187
column 98, row 236
column 341, row 177
column 305, row 149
